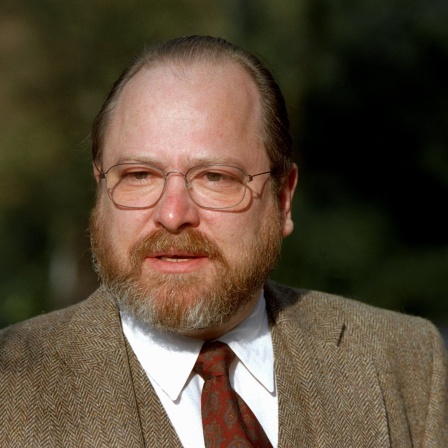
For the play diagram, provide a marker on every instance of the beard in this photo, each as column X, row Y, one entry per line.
column 186, row 302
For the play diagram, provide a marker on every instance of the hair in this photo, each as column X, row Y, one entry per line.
column 192, row 49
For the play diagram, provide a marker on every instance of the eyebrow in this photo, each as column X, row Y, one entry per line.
column 215, row 161
column 136, row 160
column 192, row 162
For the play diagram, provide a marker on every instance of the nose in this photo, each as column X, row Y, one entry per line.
column 175, row 209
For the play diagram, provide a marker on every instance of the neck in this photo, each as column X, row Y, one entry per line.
column 208, row 334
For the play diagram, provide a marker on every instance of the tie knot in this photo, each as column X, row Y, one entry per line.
column 214, row 360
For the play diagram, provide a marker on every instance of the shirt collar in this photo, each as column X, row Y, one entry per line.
column 252, row 343
column 169, row 358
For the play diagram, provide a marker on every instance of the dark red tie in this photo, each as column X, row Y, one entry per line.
column 227, row 420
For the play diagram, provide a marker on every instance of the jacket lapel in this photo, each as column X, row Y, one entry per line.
column 110, row 394
column 98, row 400
column 329, row 394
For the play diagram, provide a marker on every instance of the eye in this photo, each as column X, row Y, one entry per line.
column 214, row 177
column 218, row 177
column 139, row 175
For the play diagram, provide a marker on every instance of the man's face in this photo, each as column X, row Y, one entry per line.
column 176, row 265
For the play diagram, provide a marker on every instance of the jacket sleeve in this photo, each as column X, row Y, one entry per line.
column 436, row 425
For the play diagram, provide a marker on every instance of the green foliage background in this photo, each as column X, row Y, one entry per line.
column 365, row 83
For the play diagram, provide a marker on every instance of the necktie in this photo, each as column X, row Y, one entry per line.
column 227, row 420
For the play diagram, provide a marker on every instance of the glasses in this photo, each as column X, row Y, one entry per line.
column 139, row 186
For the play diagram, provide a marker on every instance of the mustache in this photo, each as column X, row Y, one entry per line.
column 189, row 240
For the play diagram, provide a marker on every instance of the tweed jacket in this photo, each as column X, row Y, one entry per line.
column 348, row 375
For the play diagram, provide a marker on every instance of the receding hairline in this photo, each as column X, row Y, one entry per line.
column 274, row 133
column 180, row 65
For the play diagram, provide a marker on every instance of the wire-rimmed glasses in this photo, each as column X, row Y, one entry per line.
column 140, row 186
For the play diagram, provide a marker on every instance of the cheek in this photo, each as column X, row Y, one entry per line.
column 231, row 232
column 123, row 227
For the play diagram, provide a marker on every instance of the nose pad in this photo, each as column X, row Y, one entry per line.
column 178, row 173
column 175, row 173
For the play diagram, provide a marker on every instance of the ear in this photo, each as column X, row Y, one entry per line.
column 96, row 173
column 285, row 200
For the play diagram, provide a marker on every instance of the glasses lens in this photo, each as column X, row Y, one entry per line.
column 216, row 186
column 210, row 186
column 135, row 186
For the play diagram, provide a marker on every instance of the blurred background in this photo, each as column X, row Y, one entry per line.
column 367, row 91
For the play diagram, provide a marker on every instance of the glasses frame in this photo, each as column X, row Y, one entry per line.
column 249, row 179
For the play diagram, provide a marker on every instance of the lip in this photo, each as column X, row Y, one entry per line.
column 178, row 262
column 176, row 259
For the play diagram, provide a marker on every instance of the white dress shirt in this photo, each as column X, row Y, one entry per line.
column 168, row 360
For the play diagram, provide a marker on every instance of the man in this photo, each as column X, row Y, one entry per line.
column 192, row 157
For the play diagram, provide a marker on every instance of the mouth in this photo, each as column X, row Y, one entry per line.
column 177, row 262
column 177, row 258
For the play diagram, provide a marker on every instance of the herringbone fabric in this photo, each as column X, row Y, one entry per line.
column 155, row 425
column 227, row 420
column 348, row 376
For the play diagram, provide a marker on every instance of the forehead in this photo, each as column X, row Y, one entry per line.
column 199, row 110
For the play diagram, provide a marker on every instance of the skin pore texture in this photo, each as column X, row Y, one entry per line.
column 177, row 266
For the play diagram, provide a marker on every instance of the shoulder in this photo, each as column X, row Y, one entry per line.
column 37, row 355
column 37, row 337
column 407, row 353
column 326, row 316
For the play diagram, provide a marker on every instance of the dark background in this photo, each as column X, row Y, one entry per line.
column 366, row 87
